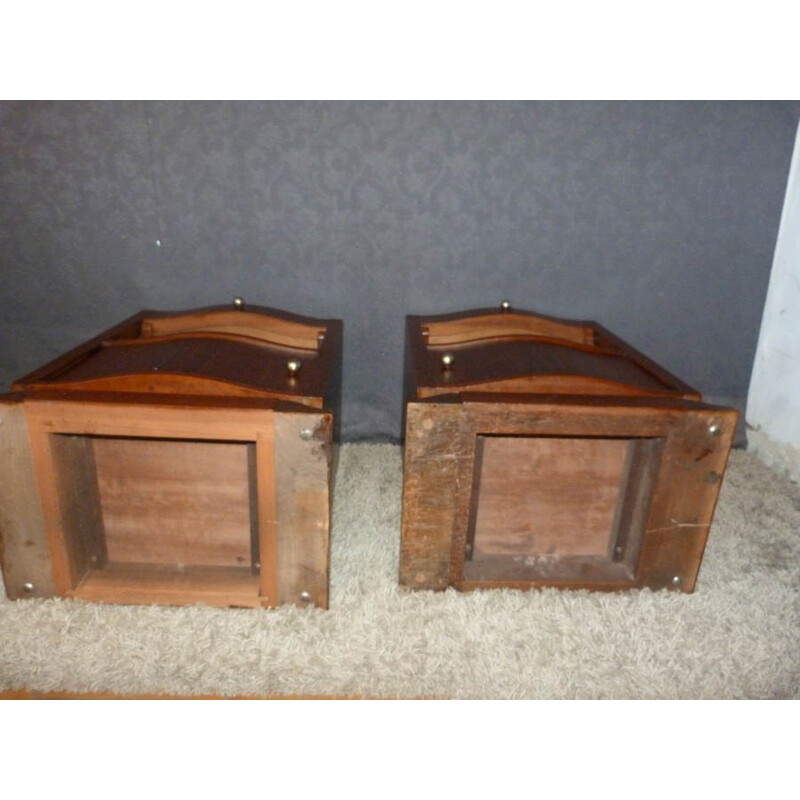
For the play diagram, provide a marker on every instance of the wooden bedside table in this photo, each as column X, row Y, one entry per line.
column 176, row 458
column 547, row 452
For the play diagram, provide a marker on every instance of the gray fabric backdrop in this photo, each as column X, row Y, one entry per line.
column 658, row 219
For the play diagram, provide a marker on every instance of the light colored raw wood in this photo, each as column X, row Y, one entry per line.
column 237, row 324
column 24, row 554
column 303, row 480
column 547, row 496
column 267, row 514
column 154, row 583
column 174, row 502
column 503, row 325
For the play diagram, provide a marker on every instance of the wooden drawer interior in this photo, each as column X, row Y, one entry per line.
column 160, row 517
column 559, row 508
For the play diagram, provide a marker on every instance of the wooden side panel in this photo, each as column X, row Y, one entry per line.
column 303, row 477
column 432, row 466
column 693, row 464
column 24, row 553
column 79, row 502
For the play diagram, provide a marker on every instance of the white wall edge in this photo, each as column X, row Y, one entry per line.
column 773, row 401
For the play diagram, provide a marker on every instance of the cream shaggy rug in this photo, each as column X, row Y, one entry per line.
column 737, row 636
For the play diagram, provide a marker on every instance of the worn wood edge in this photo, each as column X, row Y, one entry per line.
column 693, row 468
column 24, row 552
column 304, row 464
column 430, row 470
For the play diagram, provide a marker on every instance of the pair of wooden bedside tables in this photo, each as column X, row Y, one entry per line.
column 189, row 457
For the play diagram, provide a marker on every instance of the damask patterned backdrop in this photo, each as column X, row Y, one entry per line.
column 656, row 219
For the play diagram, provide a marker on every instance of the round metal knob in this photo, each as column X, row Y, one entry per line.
column 28, row 587
column 293, row 366
column 505, row 305
column 447, row 360
column 238, row 303
column 715, row 429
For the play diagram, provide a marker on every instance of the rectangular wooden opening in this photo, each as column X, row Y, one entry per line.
column 559, row 508
column 158, row 520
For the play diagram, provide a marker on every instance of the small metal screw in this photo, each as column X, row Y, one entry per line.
column 306, row 434
column 447, row 360
column 256, row 565
column 293, row 366
column 28, row 587
column 305, row 597
column 715, row 429
column 238, row 303
column 676, row 581
column 505, row 305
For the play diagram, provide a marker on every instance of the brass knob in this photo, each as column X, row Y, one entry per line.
column 447, row 360
column 293, row 366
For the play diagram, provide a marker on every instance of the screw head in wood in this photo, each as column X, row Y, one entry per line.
column 505, row 305
column 447, row 360
column 238, row 303
column 676, row 580
column 306, row 434
column 305, row 597
column 293, row 366
column 28, row 587
column 715, row 429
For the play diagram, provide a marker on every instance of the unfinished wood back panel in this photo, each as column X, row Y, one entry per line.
column 175, row 502
column 546, row 495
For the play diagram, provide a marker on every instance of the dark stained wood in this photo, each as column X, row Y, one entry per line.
column 530, row 461
column 151, row 454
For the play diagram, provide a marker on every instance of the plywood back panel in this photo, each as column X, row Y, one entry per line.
column 175, row 502
column 547, row 496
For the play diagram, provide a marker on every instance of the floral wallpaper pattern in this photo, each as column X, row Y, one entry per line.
column 658, row 219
